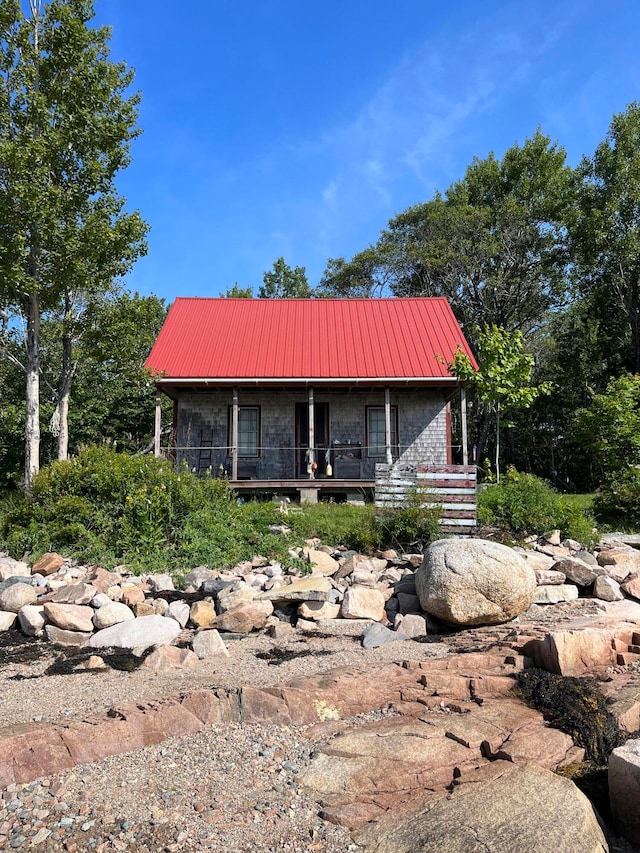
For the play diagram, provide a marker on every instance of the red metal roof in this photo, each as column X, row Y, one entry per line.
column 302, row 339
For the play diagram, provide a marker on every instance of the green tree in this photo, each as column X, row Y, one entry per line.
column 605, row 231
column 66, row 124
column 365, row 276
column 114, row 398
column 493, row 244
column 609, row 427
column 503, row 379
column 237, row 292
column 283, row 282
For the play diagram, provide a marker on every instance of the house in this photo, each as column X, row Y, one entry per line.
column 306, row 396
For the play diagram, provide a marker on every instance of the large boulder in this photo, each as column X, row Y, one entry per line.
column 500, row 808
column 474, row 582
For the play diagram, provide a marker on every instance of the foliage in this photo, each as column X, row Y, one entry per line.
column 283, row 282
column 618, row 501
column 66, row 124
column 493, row 244
column 525, row 504
column 610, row 426
column 412, row 526
column 604, row 231
column 113, row 397
column 504, row 376
column 109, row 508
column 576, row 707
column 237, row 292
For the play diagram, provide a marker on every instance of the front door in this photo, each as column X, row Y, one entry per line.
column 321, row 430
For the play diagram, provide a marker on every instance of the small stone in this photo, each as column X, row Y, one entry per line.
column 48, row 564
column 166, row 658
column 548, row 577
column 362, row 603
column 161, row 583
column 202, row 614
column 318, row 610
column 555, row 594
column 411, row 625
column 137, row 633
column 578, row 572
column 377, row 635
column 61, row 637
column 179, row 610
column 132, row 595
column 245, row 618
column 208, row 644
column 607, row 589
column 111, row 614
column 70, row 617
column 7, row 620
column 16, row 596
column 77, row 593
column 31, row 619
column 146, row 608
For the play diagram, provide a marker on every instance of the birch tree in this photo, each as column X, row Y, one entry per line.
column 66, row 124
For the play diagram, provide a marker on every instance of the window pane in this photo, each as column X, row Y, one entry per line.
column 376, row 444
column 247, row 432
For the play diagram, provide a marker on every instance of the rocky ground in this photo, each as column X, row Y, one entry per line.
column 228, row 787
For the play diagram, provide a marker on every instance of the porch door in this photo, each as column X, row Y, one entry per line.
column 321, row 430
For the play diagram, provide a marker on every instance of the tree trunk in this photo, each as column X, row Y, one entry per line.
column 68, row 370
column 498, row 443
column 484, row 432
column 32, row 422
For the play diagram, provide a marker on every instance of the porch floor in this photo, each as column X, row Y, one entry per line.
column 324, row 485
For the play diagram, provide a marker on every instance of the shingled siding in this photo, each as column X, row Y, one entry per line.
column 451, row 488
column 202, row 426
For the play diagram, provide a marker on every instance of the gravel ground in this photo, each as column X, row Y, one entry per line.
column 230, row 788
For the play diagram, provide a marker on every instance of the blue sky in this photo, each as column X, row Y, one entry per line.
column 279, row 128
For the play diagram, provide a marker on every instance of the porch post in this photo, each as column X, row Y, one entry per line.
column 158, row 423
column 312, row 436
column 234, row 436
column 387, row 426
column 463, row 408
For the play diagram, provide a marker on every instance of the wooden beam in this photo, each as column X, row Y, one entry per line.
column 158, row 424
column 234, row 436
column 387, row 426
column 463, row 408
column 312, row 433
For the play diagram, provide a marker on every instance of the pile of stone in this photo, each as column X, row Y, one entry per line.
column 460, row 582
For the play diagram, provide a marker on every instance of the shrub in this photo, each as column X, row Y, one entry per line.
column 524, row 504
column 412, row 525
column 105, row 506
column 618, row 501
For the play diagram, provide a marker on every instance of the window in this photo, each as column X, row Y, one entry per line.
column 248, row 430
column 376, row 444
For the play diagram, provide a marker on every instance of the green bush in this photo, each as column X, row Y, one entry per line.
column 411, row 525
column 109, row 508
column 106, row 506
column 618, row 501
column 524, row 504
